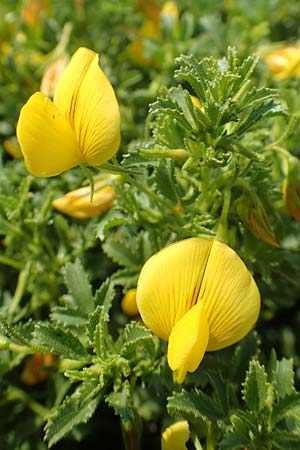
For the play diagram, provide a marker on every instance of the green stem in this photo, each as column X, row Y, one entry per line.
column 222, row 229
column 11, row 262
column 21, row 286
column 6, row 345
column 89, row 174
column 131, row 432
column 154, row 196
column 289, row 129
column 17, row 394
column 178, row 154
column 210, row 441
column 276, row 148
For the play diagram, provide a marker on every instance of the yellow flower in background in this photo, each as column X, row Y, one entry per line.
column 284, row 62
column 150, row 9
column 34, row 10
column 176, row 436
column 170, row 15
column 78, row 203
column 155, row 15
column 199, row 295
column 128, row 303
column 80, row 126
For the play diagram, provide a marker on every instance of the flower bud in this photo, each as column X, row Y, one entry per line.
column 12, row 147
column 78, row 203
column 128, row 303
column 291, row 188
column 252, row 213
column 36, row 368
column 52, row 74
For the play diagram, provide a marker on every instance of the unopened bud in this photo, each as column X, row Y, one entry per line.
column 128, row 303
column 291, row 188
column 78, row 203
column 36, row 369
column 252, row 213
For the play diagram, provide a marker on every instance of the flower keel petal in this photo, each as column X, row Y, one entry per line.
column 175, row 436
column 188, row 341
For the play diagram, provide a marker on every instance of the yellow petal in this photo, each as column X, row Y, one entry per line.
column 230, row 296
column 86, row 97
column 175, row 436
column 46, row 138
column 188, row 341
column 169, row 283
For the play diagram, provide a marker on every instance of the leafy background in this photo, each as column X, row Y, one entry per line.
column 62, row 279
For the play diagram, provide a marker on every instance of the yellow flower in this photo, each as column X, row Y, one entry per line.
column 175, row 436
column 79, row 205
column 128, row 303
column 80, row 126
column 198, row 295
column 284, row 62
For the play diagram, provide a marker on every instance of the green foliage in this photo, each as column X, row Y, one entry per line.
column 76, row 408
column 184, row 169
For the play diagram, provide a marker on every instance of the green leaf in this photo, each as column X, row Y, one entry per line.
column 97, row 326
column 20, row 333
column 234, row 441
column 112, row 219
column 121, row 253
column 76, row 409
column 220, row 389
column 255, row 387
column 133, row 336
column 105, row 294
column 284, row 378
column 165, row 180
column 246, row 349
column 78, row 285
column 101, row 333
column 194, row 405
column 126, row 277
column 122, row 402
column 68, row 317
column 52, row 339
column 263, row 110
column 285, row 406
